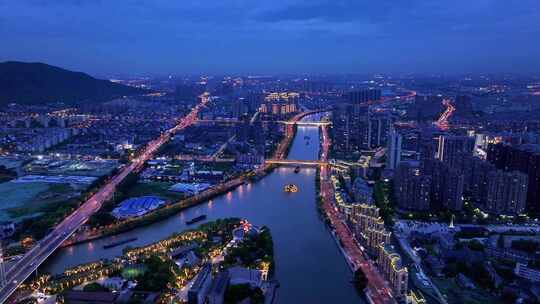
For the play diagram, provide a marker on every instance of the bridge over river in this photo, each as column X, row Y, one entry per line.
column 309, row 266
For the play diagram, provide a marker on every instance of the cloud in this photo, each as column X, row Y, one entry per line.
column 414, row 17
column 273, row 34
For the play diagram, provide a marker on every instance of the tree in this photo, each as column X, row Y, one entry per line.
column 101, row 218
column 94, row 287
column 157, row 274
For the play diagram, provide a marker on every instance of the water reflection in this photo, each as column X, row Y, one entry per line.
column 309, row 267
column 240, row 191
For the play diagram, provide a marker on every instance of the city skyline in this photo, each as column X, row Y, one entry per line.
column 293, row 151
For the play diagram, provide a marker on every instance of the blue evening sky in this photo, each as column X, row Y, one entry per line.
column 278, row 36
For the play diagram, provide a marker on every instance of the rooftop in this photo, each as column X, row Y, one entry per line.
column 201, row 277
column 89, row 297
column 220, row 283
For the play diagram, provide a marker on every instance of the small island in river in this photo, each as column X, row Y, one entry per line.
column 227, row 260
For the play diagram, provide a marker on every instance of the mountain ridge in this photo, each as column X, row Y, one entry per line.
column 37, row 82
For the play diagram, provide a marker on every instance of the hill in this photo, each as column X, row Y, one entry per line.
column 34, row 83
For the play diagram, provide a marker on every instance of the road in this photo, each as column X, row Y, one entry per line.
column 31, row 260
column 378, row 288
column 442, row 122
column 233, row 137
column 295, row 162
column 306, row 123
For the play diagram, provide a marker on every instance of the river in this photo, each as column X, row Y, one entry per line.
column 309, row 265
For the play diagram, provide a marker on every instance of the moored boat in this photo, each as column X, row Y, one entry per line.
column 196, row 219
column 118, row 243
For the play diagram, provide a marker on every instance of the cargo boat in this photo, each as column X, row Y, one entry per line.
column 196, row 219
column 118, row 243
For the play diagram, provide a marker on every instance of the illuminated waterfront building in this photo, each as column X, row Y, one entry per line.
column 368, row 226
column 415, row 298
column 392, row 269
column 285, row 96
column 280, row 103
column 364, row 220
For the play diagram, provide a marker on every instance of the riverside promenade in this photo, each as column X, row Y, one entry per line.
column 378, row 290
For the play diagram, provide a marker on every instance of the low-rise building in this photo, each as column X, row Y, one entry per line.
column 189, row 188
column 83, row 297
column 528, row 273
column 415, row 298
column 137, row 206
column 216, row 294
column 198, row 291
column 242, row 275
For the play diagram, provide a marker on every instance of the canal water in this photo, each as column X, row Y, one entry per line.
column 309, row 265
